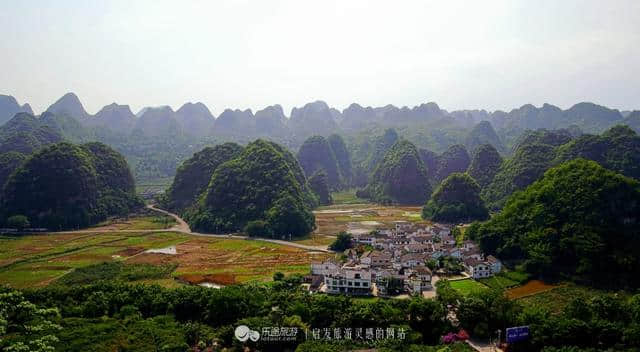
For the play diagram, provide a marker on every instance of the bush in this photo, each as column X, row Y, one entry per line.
column 19, row 222
column 258, row 228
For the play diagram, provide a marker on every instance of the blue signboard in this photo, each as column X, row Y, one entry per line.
column 518, row 333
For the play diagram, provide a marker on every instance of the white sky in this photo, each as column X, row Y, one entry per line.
column 250, row 54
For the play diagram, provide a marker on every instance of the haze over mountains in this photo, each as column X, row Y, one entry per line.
column 157, row 139
column 319, row 118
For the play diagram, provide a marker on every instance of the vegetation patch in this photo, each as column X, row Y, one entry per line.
column 466, row 286
column 116, row 271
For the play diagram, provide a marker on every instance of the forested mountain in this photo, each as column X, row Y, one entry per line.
column 67, row 186
column 400, row 177
column 9, row 162
column 118, row 118
column 271, row 122
column 319, row 184
column 579, row 221
column 195, row 119
column 9, row 107
column 313, row 119
column 457, row 199
column 483, row 133
column 430, row 160
column 193, row 176
column 157, row 122
column 70, row 105
column 633, row 120
column 533, row 156
column 157, row 140
column 258, row 185
column 454, row 159
column 25, row 134
column 484, row 165
column 235, row 123
column 343, row 158
column 316, row 154
column 617, row 149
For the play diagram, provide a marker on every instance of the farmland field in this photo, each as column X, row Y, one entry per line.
column 557, row 298
column 38, row 260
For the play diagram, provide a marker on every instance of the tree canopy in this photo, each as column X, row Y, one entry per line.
column 485, row 164
column 259, row 184
column 67, row 186
column 400, row 177
column 457, row 199
column 579, row 221
column 193, row 176
column 454, row 159
column 316, row 154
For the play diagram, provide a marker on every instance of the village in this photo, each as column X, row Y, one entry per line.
column 407, row 259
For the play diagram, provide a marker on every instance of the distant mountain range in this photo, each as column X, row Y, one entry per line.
column 318, row 118
column 156, row 139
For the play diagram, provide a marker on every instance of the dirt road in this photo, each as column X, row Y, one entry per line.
column 183, row 227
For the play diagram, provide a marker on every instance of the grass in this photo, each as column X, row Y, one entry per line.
column 506, row 279
column 347, row 197
column 116, row 271
column 154, row 221
column 466, row 286
column 556, row 299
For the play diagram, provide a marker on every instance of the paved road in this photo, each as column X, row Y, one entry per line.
column 183, row 227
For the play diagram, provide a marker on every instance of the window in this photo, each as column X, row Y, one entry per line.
column 357, row 276
column 365, row 284
column 357, row 284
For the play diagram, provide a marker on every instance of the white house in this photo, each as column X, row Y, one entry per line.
column 346, row 281
column 495, row 264
column 324, row 268
column 477, row 269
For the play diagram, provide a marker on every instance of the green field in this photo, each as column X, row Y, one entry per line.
column 347, row 197
column 466, row 286
column 556, row 299
column 505, row 279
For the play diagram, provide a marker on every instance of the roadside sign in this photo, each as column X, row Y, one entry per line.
column 518, row 333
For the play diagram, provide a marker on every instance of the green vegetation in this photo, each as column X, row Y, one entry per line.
column 116, row 187
column 316, row 154
column 9, row 162
column 484, row 165
column 531, row 159
column 342, row 242
column 347, row 197
column 617, row 149
column 26, row 134
column 481, row 134
column 505, row 279
column 466, row 286
column 579, row 221
column 400, row 177
column 60, row 187
column 342, row 157
column 193, row 176
column 319, row 184
column 260, row 184
column 454, row 159
column 116, row 271
column 457, row 199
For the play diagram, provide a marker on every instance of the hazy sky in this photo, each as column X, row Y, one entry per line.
column 250, row 54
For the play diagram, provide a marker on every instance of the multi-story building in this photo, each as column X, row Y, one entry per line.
column 350, row 282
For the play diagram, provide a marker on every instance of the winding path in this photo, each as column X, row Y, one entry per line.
column 183, row 227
